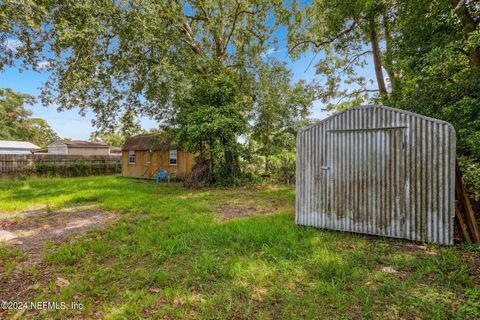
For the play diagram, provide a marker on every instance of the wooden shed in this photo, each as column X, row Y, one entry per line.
column 144, row 155
column 378, row 170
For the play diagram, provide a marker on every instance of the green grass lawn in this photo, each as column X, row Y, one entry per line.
column 174, row 253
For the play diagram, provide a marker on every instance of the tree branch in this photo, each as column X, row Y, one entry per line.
column 204, row 11
column 196, row 17
column 459, row 5
column 354, row 58
column 187, row 30
column 329, row 40
column 232, row 29
column 354, row 93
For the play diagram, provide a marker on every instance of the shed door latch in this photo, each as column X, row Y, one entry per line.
column 325, row 168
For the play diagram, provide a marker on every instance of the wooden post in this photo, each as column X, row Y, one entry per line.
column 462, row 227
column 462, row 196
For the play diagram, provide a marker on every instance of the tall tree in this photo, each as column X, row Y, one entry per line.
column 39, row 132
column 280, row 108
column 119, row 133
column 435, row 58
column 14, row 117
column 144, row 54
column 16, row 122
column 210, row 121
column 345, row 33
column 468, row 13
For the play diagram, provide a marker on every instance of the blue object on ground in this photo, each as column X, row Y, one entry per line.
column 162, row 175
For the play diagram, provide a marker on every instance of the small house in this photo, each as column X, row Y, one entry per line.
column 17, row 147
column 79, row 147
column 144, row 155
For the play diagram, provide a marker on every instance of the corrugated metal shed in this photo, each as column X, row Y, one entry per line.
column 17, row 147
column 378, row 170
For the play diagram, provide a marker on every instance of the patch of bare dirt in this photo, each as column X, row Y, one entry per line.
column 28, row 232
column 412, row 248
column 247, row 204
column 31, row 229
column 229, row 211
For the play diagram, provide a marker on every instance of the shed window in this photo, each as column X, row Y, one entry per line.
column 131, row 157
column 172, row 157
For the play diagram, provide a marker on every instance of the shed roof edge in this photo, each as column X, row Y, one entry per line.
column 368, row 106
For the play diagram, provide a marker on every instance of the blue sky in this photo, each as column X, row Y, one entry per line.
column 69, row 124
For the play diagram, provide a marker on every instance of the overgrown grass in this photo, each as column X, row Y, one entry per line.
column 168, row 256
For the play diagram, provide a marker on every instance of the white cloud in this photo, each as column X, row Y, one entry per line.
column 12, row 44
column 43, row 65
column 270, row 51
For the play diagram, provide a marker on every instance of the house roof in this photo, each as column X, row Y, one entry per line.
column 41, row 150
column 9, row 144
column 149, row 142
column 82, row 144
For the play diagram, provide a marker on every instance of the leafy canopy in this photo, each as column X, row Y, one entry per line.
column 109, row 55
column 280, row 108
column 16, row 122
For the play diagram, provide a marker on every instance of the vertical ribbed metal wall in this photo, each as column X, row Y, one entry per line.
column 378, row 170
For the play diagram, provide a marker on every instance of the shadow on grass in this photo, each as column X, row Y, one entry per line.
column 167, row 257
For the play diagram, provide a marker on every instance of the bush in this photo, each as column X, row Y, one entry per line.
column 283, row 167
column 470, row 170
column 78, row 169
column 245, row 178
column 201, row 176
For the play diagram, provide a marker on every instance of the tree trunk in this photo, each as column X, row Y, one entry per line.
column 231, row 160
column 388, row 64
column 469, row 25
column 211, row 158
column 377, row 60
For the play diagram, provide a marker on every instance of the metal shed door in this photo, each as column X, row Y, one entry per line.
column 367, row 180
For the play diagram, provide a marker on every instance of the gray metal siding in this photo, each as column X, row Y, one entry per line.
column 378, row 170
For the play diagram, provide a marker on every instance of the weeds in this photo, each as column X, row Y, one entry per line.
column 168, row 256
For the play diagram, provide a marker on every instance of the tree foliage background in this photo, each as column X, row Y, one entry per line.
column 199, row 67
column 191, row 65
column 16, row 122
column 429, row 50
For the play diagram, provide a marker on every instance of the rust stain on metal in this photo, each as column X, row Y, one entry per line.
column 378, row 170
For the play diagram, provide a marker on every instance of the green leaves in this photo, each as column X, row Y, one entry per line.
column 437, row 77
column 210, row 120
column 142, row 55
column 16, row 122
column 280, row 109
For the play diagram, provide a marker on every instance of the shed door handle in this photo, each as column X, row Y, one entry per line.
column 325, row 168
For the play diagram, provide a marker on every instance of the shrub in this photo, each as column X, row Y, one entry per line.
column 78, row 169
column 470, row 170
column 202, row 176
column 283, row 167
